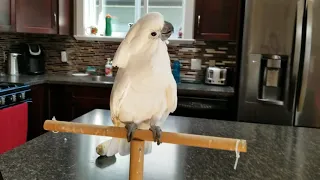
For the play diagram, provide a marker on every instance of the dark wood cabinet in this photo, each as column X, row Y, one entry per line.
column 60, row 105
column 65, row 18
column 216, row 19
column 7, row 15
column 86, row 99
column 38, row 110
column 37, row 16
column 69, row 102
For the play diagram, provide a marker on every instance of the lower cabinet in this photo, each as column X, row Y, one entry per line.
column 64, row 102
column 60, row 103
column 85, row 99
column 69, row 102
column 38, row 110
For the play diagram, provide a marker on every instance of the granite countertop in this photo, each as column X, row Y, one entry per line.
column 186, row 88
column 274, row 153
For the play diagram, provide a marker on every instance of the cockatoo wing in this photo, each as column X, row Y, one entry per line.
column 171, row 93
column 118, row 92
column 161, row 66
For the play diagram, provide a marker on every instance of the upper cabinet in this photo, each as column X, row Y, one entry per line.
column 216, row 19
column 65, row 17
column 7, row 15
column 37, row 16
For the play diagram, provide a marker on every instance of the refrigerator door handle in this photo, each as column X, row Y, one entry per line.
column 307, row 55
column 292, row 85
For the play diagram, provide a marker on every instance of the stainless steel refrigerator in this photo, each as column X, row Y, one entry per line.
column 280, row 63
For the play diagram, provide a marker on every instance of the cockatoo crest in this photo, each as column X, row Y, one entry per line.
column 145, row 31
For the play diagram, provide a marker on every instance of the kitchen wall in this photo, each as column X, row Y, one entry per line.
column 87, row 53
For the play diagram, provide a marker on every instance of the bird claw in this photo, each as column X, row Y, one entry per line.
column 156, row 131
column 131, row 128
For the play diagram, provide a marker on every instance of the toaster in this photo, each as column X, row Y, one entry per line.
column 216, row 76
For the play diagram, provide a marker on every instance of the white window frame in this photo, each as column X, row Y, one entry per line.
column 83, row 15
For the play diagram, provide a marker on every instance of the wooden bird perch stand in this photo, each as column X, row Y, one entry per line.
column 137, row 144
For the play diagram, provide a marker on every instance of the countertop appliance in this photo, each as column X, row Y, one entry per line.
column 13, row 68
column 279, row 81
column 14, row 99
column 32, row 60
column 216, row 76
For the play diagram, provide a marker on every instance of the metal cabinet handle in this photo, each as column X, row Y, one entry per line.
column 55, row 19
column 199, row 24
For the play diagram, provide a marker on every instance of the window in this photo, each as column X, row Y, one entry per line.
column 126, row 12
column 172, row 10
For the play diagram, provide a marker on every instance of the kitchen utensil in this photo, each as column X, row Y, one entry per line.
column 13, row 64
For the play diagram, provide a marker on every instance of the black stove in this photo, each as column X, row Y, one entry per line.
column 14, row 93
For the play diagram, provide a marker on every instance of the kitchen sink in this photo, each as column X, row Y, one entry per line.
column 102, row 79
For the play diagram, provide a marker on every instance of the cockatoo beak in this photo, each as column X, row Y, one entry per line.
column 166, row 31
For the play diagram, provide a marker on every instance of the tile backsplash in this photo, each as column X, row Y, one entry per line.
column 88, row 53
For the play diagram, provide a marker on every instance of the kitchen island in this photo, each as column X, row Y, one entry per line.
column 274, row 152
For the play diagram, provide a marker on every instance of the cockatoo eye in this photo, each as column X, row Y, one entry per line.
column 153, row 34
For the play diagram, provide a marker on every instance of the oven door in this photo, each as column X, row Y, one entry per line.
column 203, row 108
column 13, row 126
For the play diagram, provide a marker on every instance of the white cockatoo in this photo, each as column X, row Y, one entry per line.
column 144, row 92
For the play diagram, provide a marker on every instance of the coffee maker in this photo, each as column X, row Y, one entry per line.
column 32, row 59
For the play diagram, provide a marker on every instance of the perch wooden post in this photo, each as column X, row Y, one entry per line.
column 136, row 159
column 137, row 144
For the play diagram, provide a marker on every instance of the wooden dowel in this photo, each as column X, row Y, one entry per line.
column 136, row 160
column 211, row 142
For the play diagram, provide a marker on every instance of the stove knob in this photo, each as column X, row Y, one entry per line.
column 19, row 97
column 2, row 101
column 9, row 99
column 14, row 98
column 23, row 95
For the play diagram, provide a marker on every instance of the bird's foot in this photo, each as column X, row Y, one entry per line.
column 156, row 131
column 131, row 128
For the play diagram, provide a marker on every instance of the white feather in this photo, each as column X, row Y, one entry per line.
column 144, row 89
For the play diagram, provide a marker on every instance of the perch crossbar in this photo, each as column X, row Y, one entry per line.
column 140, row 136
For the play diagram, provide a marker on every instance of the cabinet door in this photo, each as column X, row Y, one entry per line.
column 216, row 19
column 7, row 15
column 81, row 106
column 60, row 102
column 37, row 111
column 65, row 17
column 86, row 99
column 37, row 16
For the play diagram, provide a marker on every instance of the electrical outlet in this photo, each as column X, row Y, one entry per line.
column 64, row 57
